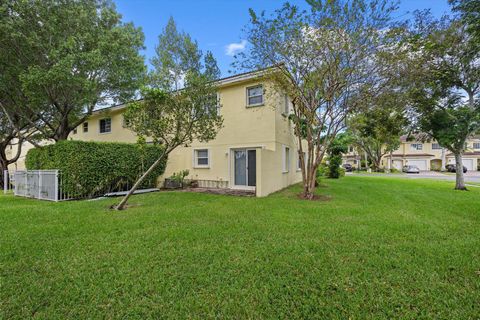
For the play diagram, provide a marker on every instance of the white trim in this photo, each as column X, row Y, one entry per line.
column 231, row 164
column 416, row 144
column 194, row 159
column 248, row 97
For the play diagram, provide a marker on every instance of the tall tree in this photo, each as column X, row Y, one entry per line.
column 182, row 105
column 176, row 55
column 322, row 58
column 72, row 56
column 445, row 83
column 469, row 11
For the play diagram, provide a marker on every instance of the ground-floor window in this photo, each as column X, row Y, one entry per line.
column 286, row 159
column 201, row 158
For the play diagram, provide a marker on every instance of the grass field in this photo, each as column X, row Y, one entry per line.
column 380, row 248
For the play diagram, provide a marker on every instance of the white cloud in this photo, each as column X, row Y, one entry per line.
column 233, row 48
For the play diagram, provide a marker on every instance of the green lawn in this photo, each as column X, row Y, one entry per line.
column 381, row 248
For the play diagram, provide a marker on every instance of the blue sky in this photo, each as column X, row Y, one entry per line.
column 217, row 24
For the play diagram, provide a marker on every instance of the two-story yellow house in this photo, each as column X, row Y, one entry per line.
column 255, row 149
column 425, row 154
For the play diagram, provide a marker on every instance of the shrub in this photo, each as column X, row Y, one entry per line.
column 323, row 171
column 177, row 180
column 92, row 168
column 334, row 167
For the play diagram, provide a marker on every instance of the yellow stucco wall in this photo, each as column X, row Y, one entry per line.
column 262, row 128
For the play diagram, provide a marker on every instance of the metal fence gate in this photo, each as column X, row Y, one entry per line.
column 38, row 184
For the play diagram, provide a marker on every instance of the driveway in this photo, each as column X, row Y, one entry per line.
column 471, row 176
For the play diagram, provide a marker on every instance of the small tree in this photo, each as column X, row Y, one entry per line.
column 377, row 129
column 445, row 84
column 335, row 151
column 182, row 106
column 322, row 60
column 69, row 57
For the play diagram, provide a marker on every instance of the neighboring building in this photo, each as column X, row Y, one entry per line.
column 426, row 155
column 254, row 150
column 26, row 146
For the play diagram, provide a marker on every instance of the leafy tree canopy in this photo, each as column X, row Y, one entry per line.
column 69, row 57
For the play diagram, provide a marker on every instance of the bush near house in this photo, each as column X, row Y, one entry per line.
column 92, row 168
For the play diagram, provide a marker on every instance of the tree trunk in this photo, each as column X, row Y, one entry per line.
column 460, row 180
column 309, row 183
column 122, row 203
column 3, row 167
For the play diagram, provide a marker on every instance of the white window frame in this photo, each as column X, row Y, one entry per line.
column 476, row 145
column 436, row 144
column 85, row 127
column 217, row 105
column 195, row 158
column 286, row 159
column 100, row 125
column 261, row 95
column 416, row 146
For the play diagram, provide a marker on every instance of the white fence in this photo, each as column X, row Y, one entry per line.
column 38, row 184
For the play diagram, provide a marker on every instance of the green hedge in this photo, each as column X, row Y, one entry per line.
column 93, row 168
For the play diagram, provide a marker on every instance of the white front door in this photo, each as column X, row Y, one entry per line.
column 421, row 164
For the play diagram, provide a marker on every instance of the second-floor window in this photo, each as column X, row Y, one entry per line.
column 436, row 146
column 212, row 105
column 476, row 145
column 416, row 146
column 106, row 125
column 85, row 127
column 255, row 96
column 75, row 131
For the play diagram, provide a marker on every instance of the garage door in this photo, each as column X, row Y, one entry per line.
column 421, row 164
column 468, row 163
column 397, row 164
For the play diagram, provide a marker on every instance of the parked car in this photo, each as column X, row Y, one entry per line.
column 348, row 167
column 410, row 169
column 453, row 168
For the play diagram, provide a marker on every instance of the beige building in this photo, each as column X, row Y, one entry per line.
column 426, row 155
column 255, row 149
